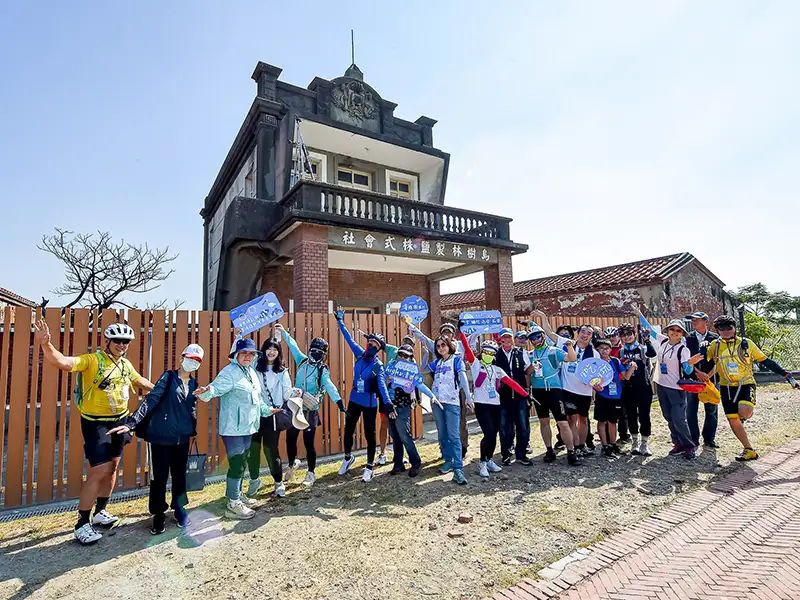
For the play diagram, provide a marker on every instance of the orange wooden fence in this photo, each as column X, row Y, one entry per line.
column 40, row 436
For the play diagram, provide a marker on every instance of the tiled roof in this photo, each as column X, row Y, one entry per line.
column 642, row 272
column 12, row 298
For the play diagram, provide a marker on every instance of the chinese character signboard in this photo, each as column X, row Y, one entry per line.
column 404, row 374
column 481, row 321
column 253, row 315
column 415, row 308
column 595, row 371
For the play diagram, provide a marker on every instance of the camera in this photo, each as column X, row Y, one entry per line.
column 104, row 384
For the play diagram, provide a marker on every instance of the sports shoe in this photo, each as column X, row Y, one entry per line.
column 483, row 471
column 458, row 477
column 247, row 501
column 644, row 450
column 346, row 464
column 104, row 518
column 158, row 524
column 689, row 454
column 237, row 510
column 588, row 451
column 493, row 467
column 573, row 459
column 524, row 461
column 590, row 442
column 395, row 470
column 506, row 461
column 617, row 451
column 676, row 450
column 747, row 454
column 634, row 443
column 367, row 476
column 446, row 467
column 711, row 444
column 624, row 439
column 291, row 471
column 280, row 490
column 414, row 471
column 549, row 456
column 86, row 534
column 528, row 449
column 181, row 518
column 311, row 477
column 560, row 445
column 253, row 487
column 381, row 459
column 606, row 451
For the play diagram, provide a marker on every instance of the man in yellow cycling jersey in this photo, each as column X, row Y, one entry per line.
column 106, row 377
column 733, row 358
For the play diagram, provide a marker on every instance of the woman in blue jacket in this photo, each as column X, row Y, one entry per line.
column 369, row 382
column 169, row 417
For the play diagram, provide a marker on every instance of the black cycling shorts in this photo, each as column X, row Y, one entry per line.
column 607, row 409
column 731, row 401
column 549, row 401
column 577, row 404
column 98, row 446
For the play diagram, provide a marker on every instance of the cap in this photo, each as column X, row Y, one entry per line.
column 521, row 335
column 505, row 331
column 699, row 315
column 194, row 351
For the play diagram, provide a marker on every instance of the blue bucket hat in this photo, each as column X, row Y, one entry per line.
column 242, row 345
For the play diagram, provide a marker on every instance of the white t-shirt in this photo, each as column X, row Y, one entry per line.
column 487, row 392
column 444, row 382
column 570, row 380
column 667, row 354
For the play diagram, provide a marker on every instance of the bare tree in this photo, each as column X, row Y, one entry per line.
column 98, row 270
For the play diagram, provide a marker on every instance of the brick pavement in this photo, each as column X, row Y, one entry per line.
column 737, row 539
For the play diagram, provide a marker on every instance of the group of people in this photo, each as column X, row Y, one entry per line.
column 503, row 378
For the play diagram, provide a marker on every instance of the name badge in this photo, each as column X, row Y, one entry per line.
column 733, row 368
column 492, row 394
column 572, row 368
column 612, row 388
column 360, row 386
column 663, row 368
column 537, row 369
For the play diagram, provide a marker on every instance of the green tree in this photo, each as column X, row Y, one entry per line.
column 754, row 297
column 765, row 335
column 783, row 307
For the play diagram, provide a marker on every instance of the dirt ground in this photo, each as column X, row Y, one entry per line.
column 393, row 539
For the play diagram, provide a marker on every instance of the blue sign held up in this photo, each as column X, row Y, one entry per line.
column 253, row 315
column 481, row 321
column 404, row 374
column 415, row 308
column 595, row 371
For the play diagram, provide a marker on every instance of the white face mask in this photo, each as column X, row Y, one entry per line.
column 190, row 365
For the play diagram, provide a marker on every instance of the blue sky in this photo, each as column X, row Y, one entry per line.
column 609, row 131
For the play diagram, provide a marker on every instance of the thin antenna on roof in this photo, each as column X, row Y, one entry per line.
column 352, row 48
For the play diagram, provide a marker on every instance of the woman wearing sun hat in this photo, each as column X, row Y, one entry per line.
column 238, row 386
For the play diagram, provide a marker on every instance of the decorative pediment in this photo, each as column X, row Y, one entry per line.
column 355, row 103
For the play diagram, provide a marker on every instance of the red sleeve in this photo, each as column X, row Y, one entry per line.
column 468, row 355
column 514, row 385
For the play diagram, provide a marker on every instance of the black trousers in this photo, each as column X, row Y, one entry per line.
column 489, row 419
column 354, row 413
column 637, row 403
column 166, row 460
column 309, row 439
column 266, row 437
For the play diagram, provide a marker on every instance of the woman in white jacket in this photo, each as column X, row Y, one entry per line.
column 276, row 386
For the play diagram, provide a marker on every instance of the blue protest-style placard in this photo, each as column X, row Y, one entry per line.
column 414, row 308
column 481, row 321
column 404, row 374
column 595, row 371
column 253, row 315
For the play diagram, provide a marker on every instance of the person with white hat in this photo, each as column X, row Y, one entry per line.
column 167, row 419
column 238, row 387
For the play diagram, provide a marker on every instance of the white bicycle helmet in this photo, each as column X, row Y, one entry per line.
column 119, row 331
column 609, row 331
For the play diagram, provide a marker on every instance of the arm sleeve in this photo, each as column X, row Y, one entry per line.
column 150, row 401
column 687, row 368
column 651, row 350
column 287, row 385
column 357, row 350
column 381, row 375
column 514, row 385
column 424, row 339
column 774, row 367
column 468, row 355
column 297, row 354
column 421, row 387
column 463, row 382
column 220, row 386
column 328, row 386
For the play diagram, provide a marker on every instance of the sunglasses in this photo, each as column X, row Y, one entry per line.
column 403, row 355
column 675, row 330
column 627, row 334
column 725, row 327
column 121, row 342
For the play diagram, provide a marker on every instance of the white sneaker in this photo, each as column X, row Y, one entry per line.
column 86, row 534
column 346, row 464
column 248, row 502
column 255, row 485
column 310, row 479
column 104, row 518
column 237, row 510
column 483, row 470
column 493, row 467
column 280, row 490
column 381, row 459
column 644, row 450
column 367, row 476
column 634, row 442
column 292, row 470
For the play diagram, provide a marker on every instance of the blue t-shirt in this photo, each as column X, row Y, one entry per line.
column 613, row 391
column 550, row 359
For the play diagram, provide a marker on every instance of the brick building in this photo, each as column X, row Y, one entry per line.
column 668, row 286
column 327, row 198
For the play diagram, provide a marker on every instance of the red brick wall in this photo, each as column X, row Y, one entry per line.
column 499, row 281
column 310, row 281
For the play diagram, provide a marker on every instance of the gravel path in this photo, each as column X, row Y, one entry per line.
column 393, row 539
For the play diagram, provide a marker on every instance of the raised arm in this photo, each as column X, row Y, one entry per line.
column 571, row 355
column 54, row 357
column 646, row 324
column 545, row 324
column 426, row 341
column 357, row 350
column 469, row 357
column 222, row 384
column 297, row 354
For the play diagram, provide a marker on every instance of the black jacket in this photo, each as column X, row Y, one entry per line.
column 167, row 415
column 515, row 370
column 693, row 344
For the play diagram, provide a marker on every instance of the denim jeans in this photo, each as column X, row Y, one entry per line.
column 673, row 407
column 402, row 438
column 237, row 447
column 514, row 419
column 447, row 425
column 709, row 424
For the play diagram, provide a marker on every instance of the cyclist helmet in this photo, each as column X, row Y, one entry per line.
column 119, row 331
column 319, row 344
column 724, row 320
column 610, row 331
column 535, row 331
column 626, row 328
column 489, row 346
column 378, row 337
column 405, row 351
column 521, row 335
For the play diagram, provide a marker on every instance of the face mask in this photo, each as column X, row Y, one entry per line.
column 190, row 365
column 487, row 358
column 371, row 352
column 315, row 355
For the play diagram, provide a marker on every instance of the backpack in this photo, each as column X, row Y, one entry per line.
column 77, row 392
column 742, row 356
column 320, row 370
column 680, row 351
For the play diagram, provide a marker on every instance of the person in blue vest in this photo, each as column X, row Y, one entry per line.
column 514, row 418
column 314, row 378
column 368, row 394
column 608, row 402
